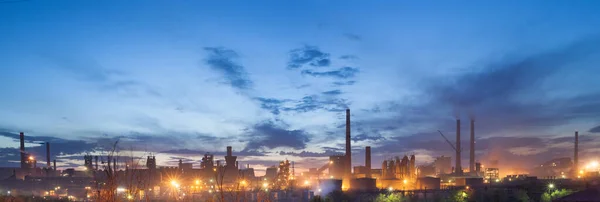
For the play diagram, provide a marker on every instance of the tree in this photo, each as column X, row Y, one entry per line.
column 393, row 197
column 549, row 196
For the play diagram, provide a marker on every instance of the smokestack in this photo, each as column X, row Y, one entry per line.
column 54, row 164
column 228, row 150
column 457, row 167
column 47, row 154
column 22, row 150
column 368, row 160
column 472, row 151
column 96, row 158
column 576, row 157
column 348, row 171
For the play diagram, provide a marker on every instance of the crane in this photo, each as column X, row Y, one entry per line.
column 448, row 141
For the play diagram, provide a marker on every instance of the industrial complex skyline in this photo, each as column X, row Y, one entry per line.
column 274, row 81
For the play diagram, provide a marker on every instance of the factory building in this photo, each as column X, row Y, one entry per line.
column 337, row 167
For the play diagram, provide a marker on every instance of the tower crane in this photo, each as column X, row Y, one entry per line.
column 448, row 141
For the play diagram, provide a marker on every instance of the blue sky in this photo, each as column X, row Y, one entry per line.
column 272, row 78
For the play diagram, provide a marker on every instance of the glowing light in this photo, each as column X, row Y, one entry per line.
column 405, row 181
column 331, row 177
column 578, row 176
column 265, row 185
column 119, row 189
column 551, row 186
column 330, row 162
column 319, row 190
column 173, row 182
column 306, row 182
column 497, row 180
column 467, row 187
column 31, row 158
column 211, row 180
column 197, row 182
column 243, row 182
column 390, row 189
column 88, row 188
column 209, row 191
column 464, row 194
column 563, row 176
column 129, row 197
column 46, row 193
column 580, row 171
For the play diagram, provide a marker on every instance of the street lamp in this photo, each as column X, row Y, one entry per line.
column 551, row 186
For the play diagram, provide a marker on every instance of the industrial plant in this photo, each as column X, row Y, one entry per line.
column 119, row 178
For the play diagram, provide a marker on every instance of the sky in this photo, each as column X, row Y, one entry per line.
column 177, row 79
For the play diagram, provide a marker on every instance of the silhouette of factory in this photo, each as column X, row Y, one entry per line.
column 281, row 181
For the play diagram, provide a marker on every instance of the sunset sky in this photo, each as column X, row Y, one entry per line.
column 273, row 78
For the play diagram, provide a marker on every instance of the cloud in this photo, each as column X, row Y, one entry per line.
column 271, row 104
column 344, row 83
column 333, row 92
column 268, row 135
column 224, row 61
column 327, row 153
column 364, row 137
column 329, row 102
column 348, row 57
column 342, row 73
column 509, row 90
column 353, row 37
column 310, row 55
column 595, row 129
column 504, row 96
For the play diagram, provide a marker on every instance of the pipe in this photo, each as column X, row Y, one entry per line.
column 368, row 161
column 472, row 150
column 457, row 167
